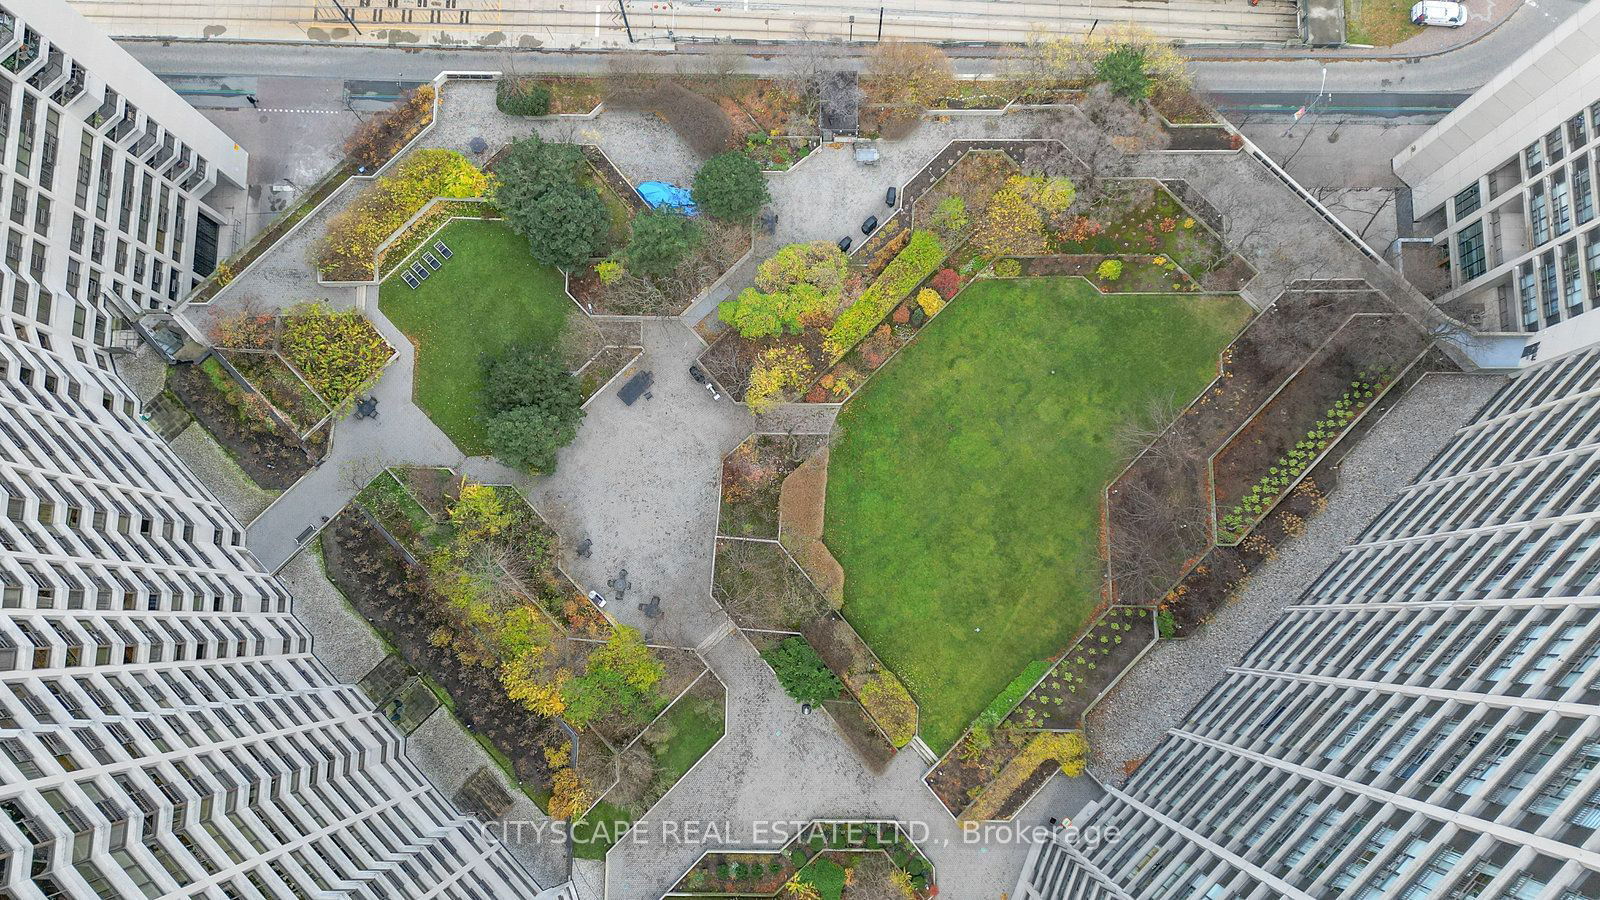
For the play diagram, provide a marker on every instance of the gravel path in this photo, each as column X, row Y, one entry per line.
column 1160, row 691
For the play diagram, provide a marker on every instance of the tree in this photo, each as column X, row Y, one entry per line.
column 617, row 679
column 1104, row 134
column 1122, row 69
column 626, row 654
column 802, row 672
column 661, row 240
column 534, row 407
column 800, row 285
column 730, row 187
column 1048, row 62
column 540, row 195
column 905, row 79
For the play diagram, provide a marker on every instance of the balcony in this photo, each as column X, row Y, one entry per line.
column 24, row 55
column 73, row 88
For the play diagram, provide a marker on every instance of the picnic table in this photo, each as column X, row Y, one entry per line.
column 638, row 385
column 367, row 408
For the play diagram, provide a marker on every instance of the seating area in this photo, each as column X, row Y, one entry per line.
column 428, row 264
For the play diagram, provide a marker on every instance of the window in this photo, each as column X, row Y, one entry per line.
column 1571, row 279
column 1583, row 189
column 1534, row 157
column 1539, row 214
column 1561, row 201
column 1577, row 135
column 1468, row 201
column 1470, row 249
column 1553, row 149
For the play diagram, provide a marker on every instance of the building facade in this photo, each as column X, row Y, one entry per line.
column 107, row 176
column 1506, row 187
column 164, row 726
column 1423, row 722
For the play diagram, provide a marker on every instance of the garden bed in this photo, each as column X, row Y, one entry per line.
column 281, row 385
column 860, row 732
column 367, row 570
column 598, row 372
column 1139, row 216
column 777, row 154
column 752, row 478
column 1138, row 274
column 1160, row 508
column 1308, row 412
column 840, row 859
column 268, row 451
column 761, row 587
column 1087, row 669
column 724, row 246
column 1203, row 137
column 1212, row 581
column 880, row 693
column 961, row 776
column 649, row 767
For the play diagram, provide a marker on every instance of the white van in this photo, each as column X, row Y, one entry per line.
column 1439, row 12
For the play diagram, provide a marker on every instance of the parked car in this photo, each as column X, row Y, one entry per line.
column 844, row 243
column 1439, row 12
column 597, row 599
column 705, row 381
column 892, row 195
column 869, row 224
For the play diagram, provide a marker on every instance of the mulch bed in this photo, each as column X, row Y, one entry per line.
column 752, row 480
column 435, row 488
column 1274, row 429
column 1109, row 662
column 859, row 732
column 1216, row 577
column 959, row 777
column 367, row 570
column 1203, row 138
column 272, row 457
column 1269, row 349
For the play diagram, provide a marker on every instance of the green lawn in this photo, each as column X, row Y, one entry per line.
column 491, row 296
column 964, row 492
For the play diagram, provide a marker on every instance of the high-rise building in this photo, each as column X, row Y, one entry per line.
column 1424, row 721
column 164, row 726
column 107, row 175
column 1506, row 187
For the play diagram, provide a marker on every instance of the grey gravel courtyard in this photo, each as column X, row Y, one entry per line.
column 1158, row 693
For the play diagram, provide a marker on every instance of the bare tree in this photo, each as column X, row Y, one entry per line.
column 1158, row 518
column 813, row 63
column 1106, row 134
column 758, row 583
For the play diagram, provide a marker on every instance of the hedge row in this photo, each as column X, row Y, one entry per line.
column 521, row 97
column 917, row 261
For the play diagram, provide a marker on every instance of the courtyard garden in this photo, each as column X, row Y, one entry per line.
column 489, row 297
column 827, row 860
column 964, row 492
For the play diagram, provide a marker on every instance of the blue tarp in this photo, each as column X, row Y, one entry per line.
column 661, row 194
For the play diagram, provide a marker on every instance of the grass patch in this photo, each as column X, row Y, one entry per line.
column 491, row 296
column 598, row 830
column 1381, row 23
column 696, row 724
column 964, row 493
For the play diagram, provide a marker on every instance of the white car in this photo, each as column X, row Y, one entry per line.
column 1439, row 12
column 598, row 599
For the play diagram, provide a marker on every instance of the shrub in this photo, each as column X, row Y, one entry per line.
column 661, row 240
column 801, row 671
column 339, row 352
column 781, row 369
column 1166, row 624
column 522, row 97
column 1123, row 69
column 382, row 135
column 1008, row 268
column 891, row 706
column 608, row 271
column 730, row 187
column 534, row 406
column 347, row 247
column 947, row 282
column 929, row 301
column 1011, row 226
column 799, row 285
column 920, row 257
column 1109, row 270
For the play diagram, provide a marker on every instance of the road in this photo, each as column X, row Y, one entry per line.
column 1369, row 104
column 1457, row 72
column 566, row 24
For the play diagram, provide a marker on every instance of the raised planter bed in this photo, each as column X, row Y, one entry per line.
column 752, row 477
column 268, row 451
column 761, row 587
column 765, row 872
column 280, row 385
column 1307, row 414
column 369, row 571
column 1087, row 669
column 723, row 249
